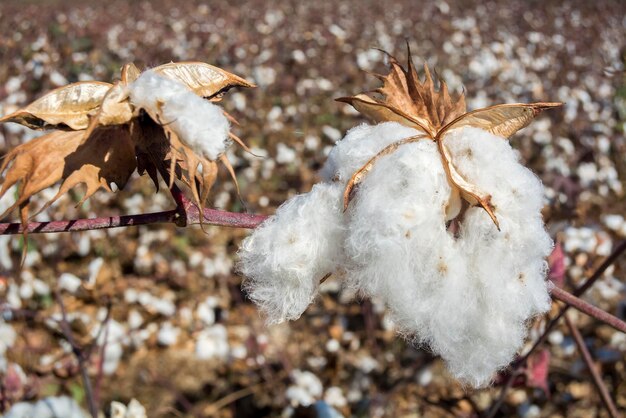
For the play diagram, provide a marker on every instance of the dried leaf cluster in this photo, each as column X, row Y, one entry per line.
column 100, row 137
column 434, row 112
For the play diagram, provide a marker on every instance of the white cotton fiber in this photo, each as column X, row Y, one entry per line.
column 359, row 145
column 401, row 251
column 286, row 257
column 469, row 296
column 199, row 124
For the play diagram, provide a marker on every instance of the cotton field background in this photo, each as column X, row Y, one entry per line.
column 162, row 308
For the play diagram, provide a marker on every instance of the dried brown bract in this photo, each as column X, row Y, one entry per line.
column 406, row 99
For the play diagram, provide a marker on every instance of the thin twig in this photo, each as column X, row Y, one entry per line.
column 213, row 408
column 78, row 352
column 104, row 326
column 169, row 216
column 515, row 373
column 597, row 379
column 589, row 309
column 211, row 217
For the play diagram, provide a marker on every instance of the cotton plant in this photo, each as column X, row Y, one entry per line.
column 430, row 210
column 162, row 121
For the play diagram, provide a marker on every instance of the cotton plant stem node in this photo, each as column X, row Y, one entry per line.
column 379, row 221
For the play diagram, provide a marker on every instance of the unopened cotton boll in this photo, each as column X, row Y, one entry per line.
column 286, row 257
column 199, row 124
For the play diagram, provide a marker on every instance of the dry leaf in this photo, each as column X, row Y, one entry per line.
column 501, row 120
column 63, row 108
column 107, row 156
column 203, row 79
column 422, row 106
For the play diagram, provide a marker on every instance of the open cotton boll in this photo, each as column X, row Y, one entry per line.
column 359, row 145
column 453, row 294
column 198, row 123
column 285, row 257
column 401, row 251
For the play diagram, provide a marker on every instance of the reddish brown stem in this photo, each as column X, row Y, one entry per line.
column 89, row 224
column 587, row 308
column 597, row 379
column 211, row 217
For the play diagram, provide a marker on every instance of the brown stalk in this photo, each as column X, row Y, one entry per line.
column 587, row 308
column 595, row 374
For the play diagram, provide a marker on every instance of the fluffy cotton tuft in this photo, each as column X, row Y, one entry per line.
column 359, row 145
column 467, row 296
column 287, row 256
column 198, row 123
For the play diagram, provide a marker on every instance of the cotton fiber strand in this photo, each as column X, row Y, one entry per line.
column 287, row 256
column 199, row 124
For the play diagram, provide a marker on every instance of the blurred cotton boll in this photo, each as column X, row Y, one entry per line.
column 287, row 256
column 51, row 407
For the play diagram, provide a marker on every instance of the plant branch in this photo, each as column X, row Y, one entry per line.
column 211, row 217
column 597, row 379
column 617, row 252
column 585, row 307
column 80, row 356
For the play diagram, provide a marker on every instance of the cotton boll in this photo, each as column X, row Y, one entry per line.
column 359, row 145
column 285, row 258
column 455, row 295
column 50, row 407
column 198, row 123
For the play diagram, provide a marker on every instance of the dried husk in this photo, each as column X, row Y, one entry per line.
column 203, row 79
column 107, row 156
column 422, row 106
column 66, row 108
